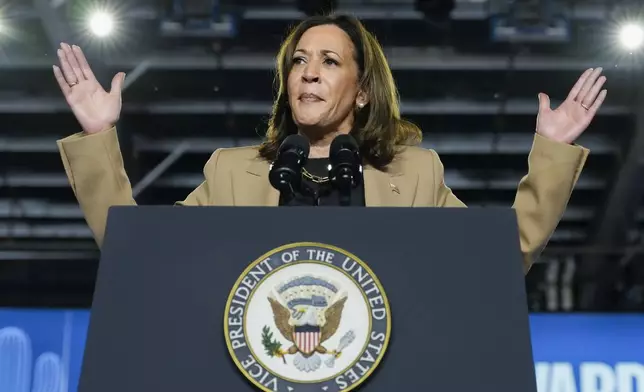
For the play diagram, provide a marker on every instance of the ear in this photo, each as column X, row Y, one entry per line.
column 362, row 99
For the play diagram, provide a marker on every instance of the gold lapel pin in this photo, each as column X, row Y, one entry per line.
column 394, row 188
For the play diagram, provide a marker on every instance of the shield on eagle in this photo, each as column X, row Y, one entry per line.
column 307, row 338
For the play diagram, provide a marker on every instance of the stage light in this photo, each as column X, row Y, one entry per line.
column 101, row 24
column 631, row 36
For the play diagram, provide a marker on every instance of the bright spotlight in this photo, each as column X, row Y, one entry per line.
column 631, row 36
column 101, row 24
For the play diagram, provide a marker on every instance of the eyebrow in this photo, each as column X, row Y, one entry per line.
column 323, row 51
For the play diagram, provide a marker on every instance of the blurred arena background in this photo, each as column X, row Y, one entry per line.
column 199, row 77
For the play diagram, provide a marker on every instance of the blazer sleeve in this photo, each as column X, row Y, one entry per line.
column 542, row 196
column 94, row 167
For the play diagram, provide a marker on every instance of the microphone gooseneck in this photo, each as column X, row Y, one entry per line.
column 285, row 173
column 345, row 168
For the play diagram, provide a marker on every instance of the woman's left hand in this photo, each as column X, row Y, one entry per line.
column 572, row 117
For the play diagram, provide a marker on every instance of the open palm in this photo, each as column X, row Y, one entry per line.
column 569, row 120
column 95, row 109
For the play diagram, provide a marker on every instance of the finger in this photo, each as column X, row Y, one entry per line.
column 588, row 84
column 598, row 103
column 544, row 102
column 71, row 58
column 68, row 73
column 117, row 83
column 580, row 83
column 594, row 91
column 64, row 86
column 84, row 64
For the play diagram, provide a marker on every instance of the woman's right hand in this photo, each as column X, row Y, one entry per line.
column 95, row 109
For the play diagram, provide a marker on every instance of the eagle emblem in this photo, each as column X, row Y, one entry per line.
column 307, row 311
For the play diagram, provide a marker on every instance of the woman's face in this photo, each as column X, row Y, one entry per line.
column 323, row 82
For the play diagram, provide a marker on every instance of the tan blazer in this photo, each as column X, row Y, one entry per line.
column 236, row 177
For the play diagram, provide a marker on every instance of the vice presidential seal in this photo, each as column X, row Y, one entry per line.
column 307, row 317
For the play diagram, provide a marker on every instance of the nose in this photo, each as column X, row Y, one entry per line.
column 311, row 74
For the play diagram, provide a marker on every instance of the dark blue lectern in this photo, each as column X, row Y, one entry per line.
column 309, row 299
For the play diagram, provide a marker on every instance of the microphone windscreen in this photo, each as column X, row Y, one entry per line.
column 343, row 142
column 297, row 142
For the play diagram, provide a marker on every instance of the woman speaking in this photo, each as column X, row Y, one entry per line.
column 333, row 79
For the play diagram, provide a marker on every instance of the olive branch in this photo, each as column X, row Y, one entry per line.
column 272, row 346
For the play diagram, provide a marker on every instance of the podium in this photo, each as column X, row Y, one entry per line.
column 309, row 299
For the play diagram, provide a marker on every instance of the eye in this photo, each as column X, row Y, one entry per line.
column 330, row 61
column 298, row 60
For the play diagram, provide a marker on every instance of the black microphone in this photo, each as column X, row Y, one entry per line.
column 345, row 170
column 285, row 173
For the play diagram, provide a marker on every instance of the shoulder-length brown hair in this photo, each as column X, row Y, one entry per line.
column 378, row 127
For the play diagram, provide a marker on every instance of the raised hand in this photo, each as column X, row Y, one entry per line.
column 95, row 109
column 572, row 117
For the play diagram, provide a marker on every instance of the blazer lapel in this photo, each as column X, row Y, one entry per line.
column 254, row 189
column 384, row 189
